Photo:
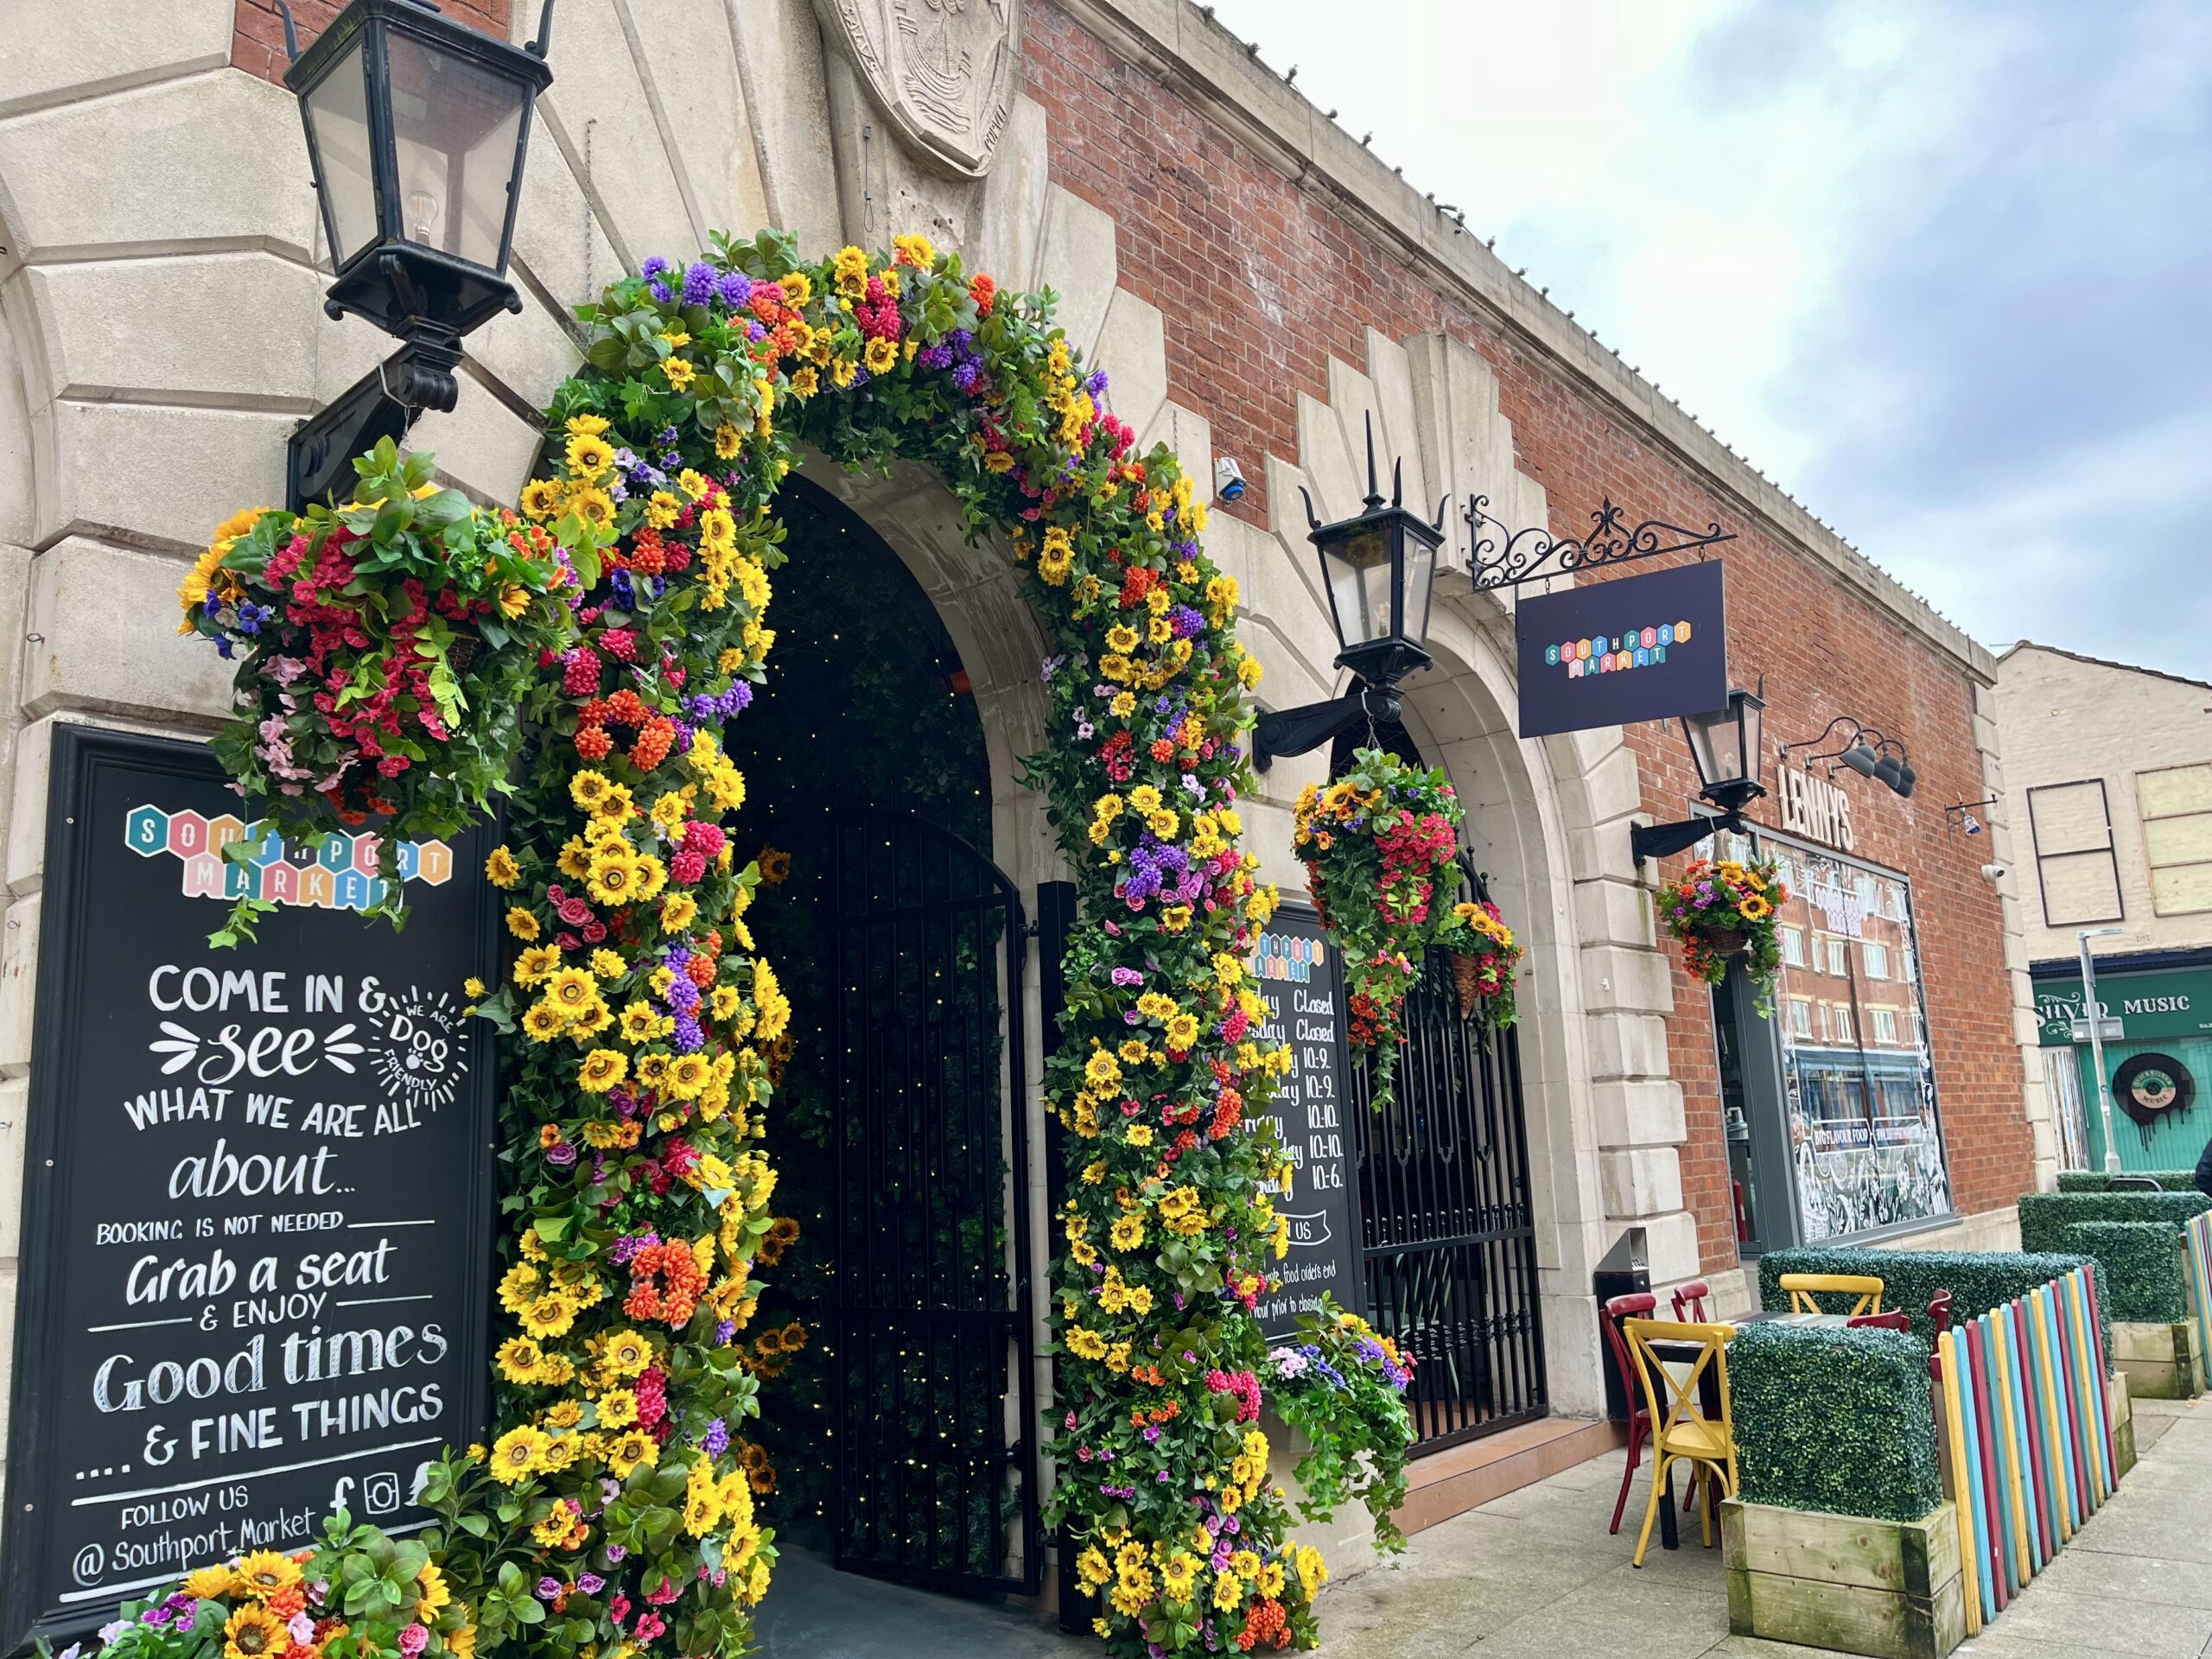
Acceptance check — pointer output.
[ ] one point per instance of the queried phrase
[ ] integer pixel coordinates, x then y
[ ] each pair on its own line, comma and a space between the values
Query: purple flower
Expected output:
964, 376
716, 1440
615, 1552
723, 1332
563, 1155
736, 289
700, 282
590, 1583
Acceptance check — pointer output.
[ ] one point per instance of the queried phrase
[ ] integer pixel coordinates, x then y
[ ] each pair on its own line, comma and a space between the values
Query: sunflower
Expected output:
588, 788
523, 924
631, 1451
433, 1593
588, 454
535, 964
572, 990
625, 1352
640, 1023
550, 1315
519, 1359
209, 1583
687, 1075
254, 1632
880, 356
262, 1573
595, 506
1755, 908
775, 865
679, 370
616, 804
602, 1069
653, 1070
614, 877
518, 1453
726, 442
678, 912
541, 1024
589, 425
541, 498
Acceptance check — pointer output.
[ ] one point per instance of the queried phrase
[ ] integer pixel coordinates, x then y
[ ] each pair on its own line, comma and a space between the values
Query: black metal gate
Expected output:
934, 1383
1449, 1249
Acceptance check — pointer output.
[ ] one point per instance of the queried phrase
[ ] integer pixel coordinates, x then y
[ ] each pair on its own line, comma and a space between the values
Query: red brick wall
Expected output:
258, 31
1261, 283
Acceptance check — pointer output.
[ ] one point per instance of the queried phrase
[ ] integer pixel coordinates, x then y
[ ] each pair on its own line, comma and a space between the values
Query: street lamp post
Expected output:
417, 128
1379, 567
2093, 1013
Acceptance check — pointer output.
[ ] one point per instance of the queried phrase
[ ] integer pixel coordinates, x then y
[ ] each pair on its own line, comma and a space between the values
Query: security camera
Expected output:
1228, 478
1993, 873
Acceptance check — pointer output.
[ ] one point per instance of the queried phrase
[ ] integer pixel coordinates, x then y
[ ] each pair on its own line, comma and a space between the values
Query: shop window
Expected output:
1864, 1137
2075, 871
2176, 806
1793, 946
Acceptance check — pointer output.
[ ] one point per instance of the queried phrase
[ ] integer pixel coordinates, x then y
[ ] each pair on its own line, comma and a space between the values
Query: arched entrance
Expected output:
896, 1383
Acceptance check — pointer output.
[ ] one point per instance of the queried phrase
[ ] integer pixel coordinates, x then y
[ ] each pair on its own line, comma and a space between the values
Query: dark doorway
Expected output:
894, 1347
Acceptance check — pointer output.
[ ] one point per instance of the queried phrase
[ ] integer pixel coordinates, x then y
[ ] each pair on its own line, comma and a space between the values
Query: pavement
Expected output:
1534, 1575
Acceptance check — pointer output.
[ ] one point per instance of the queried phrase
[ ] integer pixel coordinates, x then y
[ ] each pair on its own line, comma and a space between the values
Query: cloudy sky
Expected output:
1944, 269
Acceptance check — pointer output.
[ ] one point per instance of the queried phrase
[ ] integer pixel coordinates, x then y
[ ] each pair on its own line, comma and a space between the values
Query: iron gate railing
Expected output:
935, 1391
1449, 1243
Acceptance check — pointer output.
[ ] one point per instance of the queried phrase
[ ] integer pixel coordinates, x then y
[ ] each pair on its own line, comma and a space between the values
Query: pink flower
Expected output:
414, 1639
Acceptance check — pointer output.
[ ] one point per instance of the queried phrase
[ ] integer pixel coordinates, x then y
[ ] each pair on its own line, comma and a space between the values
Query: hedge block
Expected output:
2045, 1217
1834, 1420
2141, 1277
2095, 1181
1892, 1589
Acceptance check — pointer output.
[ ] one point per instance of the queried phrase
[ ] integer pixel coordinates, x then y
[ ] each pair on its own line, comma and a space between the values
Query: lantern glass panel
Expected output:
1421, 584
1359, 584
338, 117
456, 125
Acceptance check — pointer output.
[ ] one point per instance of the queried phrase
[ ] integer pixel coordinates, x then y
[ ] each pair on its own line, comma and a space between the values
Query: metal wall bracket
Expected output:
1299, 731
382, 404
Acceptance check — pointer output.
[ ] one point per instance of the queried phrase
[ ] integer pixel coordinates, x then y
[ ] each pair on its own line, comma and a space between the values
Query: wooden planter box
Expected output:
2160, 1362
2123, 1424
1891, 1589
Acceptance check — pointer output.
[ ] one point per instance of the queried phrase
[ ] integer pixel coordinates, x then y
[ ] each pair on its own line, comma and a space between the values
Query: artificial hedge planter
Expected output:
1978, 1279
2045, 1215
1835, 1419
2139, 1269
2095, 1181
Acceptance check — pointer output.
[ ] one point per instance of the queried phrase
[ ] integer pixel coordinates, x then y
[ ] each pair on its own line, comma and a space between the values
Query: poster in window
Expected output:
1859, 1078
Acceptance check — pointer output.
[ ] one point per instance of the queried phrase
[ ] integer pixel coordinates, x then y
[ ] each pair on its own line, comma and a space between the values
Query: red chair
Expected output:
1691, 1294
1939, 1310
1892, 1320
1639, 1420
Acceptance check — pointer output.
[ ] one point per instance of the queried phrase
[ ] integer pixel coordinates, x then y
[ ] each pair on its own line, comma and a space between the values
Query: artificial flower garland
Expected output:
1725, 912
1341, 1384
1376, 843
617, 1497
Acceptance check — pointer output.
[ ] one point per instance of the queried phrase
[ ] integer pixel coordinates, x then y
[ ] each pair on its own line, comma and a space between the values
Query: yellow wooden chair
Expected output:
1681, 1430
1805, 1288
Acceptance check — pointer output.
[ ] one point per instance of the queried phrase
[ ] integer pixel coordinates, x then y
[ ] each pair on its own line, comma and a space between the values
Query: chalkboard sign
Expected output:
1300, 977
257, 1206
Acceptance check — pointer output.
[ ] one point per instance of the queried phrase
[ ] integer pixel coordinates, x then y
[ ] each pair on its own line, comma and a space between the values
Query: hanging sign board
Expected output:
1300, 977
256, 1253
1608, 653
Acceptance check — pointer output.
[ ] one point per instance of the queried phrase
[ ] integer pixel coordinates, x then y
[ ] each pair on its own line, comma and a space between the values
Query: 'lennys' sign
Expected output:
1815, 808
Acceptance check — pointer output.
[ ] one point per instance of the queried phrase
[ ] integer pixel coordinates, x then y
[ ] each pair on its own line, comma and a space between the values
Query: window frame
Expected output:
2110, 851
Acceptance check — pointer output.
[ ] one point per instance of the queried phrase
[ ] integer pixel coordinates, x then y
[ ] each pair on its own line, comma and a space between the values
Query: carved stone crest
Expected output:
943, 72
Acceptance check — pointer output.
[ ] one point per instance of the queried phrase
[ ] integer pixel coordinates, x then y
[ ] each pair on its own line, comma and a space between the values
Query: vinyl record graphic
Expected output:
2149, 1086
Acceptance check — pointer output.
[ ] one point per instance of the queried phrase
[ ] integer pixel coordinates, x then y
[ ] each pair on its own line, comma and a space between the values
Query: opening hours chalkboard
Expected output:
1300, 977
256, 1227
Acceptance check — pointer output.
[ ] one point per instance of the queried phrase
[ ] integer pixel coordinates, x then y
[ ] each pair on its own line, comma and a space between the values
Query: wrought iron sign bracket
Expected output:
1650, 840
1510, 557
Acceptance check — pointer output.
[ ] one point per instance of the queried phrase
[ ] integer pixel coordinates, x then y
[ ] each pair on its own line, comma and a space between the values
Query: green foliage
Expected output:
2139, 1277
2045, 1216
2096, 1180
1343, 1385
1835, 1419
1978, 1279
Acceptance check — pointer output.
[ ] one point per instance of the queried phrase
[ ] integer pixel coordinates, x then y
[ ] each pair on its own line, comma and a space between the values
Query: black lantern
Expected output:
417, 128
1379, 567
1724, 746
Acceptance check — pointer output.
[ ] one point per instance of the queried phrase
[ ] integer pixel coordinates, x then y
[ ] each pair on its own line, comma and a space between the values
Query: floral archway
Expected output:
623, 614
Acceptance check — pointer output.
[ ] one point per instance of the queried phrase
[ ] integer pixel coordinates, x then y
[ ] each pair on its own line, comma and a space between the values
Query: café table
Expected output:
1685, 1353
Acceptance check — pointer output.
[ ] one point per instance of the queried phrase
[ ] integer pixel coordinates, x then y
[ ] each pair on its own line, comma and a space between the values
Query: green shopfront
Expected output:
2158, 1067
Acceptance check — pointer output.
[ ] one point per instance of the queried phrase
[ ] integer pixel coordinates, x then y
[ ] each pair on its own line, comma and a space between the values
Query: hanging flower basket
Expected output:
383, 651
1375, 844
1718, 912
